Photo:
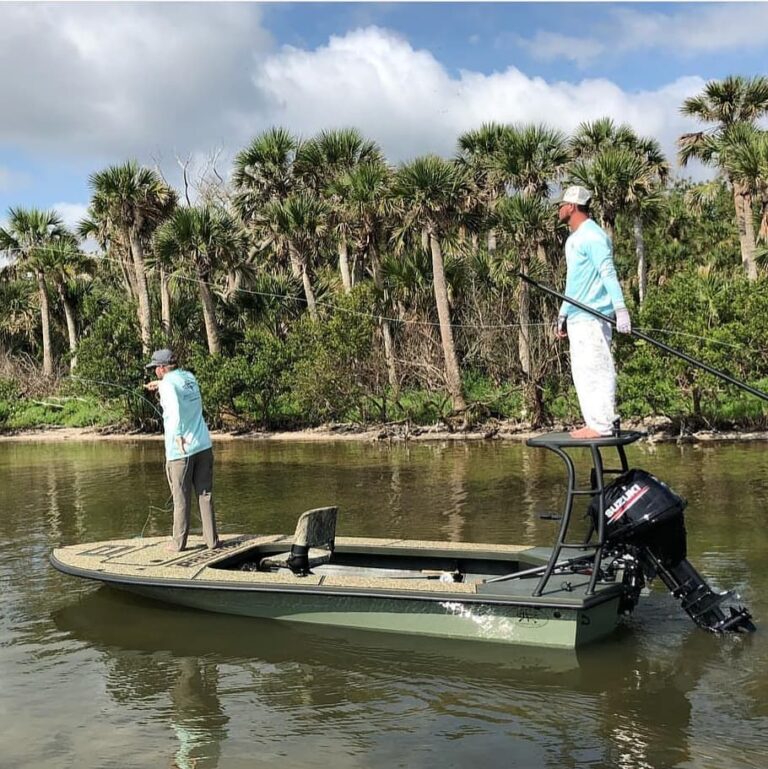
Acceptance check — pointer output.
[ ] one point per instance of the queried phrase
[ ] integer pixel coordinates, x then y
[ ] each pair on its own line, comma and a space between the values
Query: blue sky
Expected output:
488, 37
85, 85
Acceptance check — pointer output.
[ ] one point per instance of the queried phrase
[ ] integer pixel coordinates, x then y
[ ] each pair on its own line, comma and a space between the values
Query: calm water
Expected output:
93, 679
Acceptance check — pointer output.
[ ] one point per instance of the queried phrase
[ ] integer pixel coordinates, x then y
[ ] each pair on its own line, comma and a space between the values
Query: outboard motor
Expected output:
644, 518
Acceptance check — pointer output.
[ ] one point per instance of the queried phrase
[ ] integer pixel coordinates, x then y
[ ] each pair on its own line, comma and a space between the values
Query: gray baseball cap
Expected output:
164, 357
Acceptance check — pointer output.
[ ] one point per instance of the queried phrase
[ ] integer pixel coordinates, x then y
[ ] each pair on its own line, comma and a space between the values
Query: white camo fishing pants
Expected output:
594, 375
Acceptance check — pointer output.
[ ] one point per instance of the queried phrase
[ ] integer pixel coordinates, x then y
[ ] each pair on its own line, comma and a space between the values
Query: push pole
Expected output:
640, 335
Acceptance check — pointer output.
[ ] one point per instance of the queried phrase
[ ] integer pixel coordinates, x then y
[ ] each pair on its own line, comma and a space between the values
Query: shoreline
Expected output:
656, 432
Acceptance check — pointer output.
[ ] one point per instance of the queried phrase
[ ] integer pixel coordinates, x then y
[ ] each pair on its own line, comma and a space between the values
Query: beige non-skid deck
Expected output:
148, 558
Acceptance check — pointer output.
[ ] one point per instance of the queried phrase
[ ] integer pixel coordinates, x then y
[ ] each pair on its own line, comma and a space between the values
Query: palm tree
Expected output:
319, 163
616, 177
365, 194
431, 191
685, 208
203, 239
18, 313
161, 214
108, 238
478, 151
744, 156
69, 269
332, 153
264, 171
274, 204
724, 104
27, 239
591, 137
641, 194
532, 157
407, 272
274, 296
296, 227
527, 223
697, 197
132, 200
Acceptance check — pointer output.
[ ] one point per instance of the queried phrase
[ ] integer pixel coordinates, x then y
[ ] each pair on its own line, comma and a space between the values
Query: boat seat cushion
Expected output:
313, 542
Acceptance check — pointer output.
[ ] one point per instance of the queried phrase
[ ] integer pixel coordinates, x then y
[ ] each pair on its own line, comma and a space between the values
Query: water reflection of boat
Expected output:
564, 596
629, 701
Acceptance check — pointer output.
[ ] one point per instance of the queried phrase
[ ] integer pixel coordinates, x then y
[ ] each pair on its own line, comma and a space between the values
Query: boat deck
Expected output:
147, 561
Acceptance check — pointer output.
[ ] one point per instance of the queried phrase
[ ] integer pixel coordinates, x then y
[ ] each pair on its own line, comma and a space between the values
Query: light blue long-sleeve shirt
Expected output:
182, 414
591, 277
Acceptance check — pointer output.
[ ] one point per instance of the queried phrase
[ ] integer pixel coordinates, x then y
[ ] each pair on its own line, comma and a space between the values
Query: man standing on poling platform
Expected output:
590, 279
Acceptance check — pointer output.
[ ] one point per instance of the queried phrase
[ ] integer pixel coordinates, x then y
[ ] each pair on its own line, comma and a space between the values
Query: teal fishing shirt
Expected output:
182, 414
591, 277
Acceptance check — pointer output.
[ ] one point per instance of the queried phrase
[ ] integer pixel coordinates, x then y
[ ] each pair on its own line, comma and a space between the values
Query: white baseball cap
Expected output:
575, 194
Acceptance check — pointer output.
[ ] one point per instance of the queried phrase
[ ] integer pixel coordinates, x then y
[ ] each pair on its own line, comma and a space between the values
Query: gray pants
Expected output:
194, 471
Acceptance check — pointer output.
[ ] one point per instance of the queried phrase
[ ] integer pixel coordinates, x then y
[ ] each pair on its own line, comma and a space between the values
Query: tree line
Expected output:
320, 282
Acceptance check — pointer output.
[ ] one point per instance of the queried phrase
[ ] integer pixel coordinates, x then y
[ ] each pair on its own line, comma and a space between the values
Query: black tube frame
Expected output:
598, 489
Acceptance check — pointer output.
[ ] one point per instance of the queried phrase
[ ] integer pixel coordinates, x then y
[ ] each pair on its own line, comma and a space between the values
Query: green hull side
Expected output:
498, 623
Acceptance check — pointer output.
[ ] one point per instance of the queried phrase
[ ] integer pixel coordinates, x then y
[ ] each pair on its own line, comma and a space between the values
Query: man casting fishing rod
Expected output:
591, 280
188, 447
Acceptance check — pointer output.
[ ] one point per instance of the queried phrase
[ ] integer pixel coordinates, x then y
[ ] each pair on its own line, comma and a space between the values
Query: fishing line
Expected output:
168, 508
334, 307
403, 321
433, 324
152, 508
699, 338
120, 387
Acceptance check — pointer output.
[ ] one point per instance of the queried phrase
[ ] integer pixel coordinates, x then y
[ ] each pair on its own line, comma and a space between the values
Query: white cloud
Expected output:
371, 79
124, 78
71, 213
153, 81
406, 100
697, 28
547, 46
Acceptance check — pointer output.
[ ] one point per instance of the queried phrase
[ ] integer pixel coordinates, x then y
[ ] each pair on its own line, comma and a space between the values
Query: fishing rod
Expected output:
129, 390
640, 335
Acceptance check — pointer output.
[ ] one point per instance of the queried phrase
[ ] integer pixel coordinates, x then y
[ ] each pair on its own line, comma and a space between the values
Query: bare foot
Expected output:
585, 432
171, 548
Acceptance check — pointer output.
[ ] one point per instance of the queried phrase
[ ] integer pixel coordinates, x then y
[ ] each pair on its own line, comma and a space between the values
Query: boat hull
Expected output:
504, 612
494, 622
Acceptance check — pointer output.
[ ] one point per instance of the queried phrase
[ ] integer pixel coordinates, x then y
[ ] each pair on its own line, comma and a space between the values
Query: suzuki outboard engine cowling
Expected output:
644, 517
641, 510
